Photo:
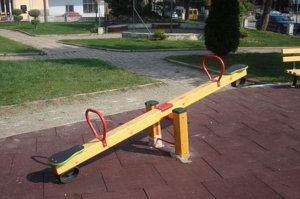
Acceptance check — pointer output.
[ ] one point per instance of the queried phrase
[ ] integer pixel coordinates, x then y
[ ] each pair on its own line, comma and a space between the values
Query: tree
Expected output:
124, 7
246, 6
35, 14
17, 15
222, 29
265, 16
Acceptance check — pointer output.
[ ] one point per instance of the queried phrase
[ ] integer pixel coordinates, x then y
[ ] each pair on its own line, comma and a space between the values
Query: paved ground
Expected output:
40, 115
244, 144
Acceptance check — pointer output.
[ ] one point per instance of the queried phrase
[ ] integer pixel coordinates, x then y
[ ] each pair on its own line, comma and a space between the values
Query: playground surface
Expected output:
245, 143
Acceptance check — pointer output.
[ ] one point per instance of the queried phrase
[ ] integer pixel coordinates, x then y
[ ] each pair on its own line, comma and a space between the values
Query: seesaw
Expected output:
64, 164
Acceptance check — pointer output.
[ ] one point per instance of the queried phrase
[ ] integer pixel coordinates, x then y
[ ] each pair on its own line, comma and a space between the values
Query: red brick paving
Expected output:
245, 143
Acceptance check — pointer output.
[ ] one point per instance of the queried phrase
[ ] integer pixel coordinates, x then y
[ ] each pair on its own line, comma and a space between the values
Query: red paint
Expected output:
101, 138
165, 106
206, 71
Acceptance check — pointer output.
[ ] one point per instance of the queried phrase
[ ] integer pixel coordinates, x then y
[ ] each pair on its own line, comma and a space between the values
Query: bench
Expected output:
292, 55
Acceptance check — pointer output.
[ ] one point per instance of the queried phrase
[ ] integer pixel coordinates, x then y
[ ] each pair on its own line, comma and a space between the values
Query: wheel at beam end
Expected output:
239, 83
68, 176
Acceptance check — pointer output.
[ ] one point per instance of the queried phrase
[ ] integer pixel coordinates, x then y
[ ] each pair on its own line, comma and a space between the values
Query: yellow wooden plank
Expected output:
293, 72
119, 134
290, 51
291, 59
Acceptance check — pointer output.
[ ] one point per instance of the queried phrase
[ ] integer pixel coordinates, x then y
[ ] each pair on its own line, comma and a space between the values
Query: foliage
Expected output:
17, 12
18, 18
124, 7
35, 22
222, 29
94, 29
243, 33
159, 35
34, 13
246, 6
265, 15
17, 15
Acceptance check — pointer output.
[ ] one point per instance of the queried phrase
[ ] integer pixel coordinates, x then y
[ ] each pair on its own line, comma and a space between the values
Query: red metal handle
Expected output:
206, 71
101, 138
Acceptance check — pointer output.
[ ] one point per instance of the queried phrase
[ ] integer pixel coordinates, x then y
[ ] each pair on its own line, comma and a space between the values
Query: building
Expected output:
54, 10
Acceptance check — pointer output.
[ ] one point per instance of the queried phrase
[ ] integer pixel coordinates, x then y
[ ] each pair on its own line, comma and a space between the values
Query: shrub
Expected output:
222, 29
35, 14
18, 18
17, 15
17, 12
243, 33
35, 22
94, 29
159, 35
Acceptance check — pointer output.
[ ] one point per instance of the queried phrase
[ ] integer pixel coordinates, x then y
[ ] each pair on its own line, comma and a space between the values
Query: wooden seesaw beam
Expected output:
121, 133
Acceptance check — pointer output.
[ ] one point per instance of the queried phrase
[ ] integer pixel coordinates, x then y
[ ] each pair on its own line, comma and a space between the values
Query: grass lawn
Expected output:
24, 81
268, 39
51, 28
10, 46
265, 67
255, 39
136, 44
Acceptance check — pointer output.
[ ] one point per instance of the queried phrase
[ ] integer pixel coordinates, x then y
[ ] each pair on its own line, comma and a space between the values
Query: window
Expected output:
23, 8
69, 8
90, 6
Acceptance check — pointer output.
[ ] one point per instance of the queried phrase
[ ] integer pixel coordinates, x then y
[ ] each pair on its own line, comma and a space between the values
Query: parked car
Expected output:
279, 23
258, 14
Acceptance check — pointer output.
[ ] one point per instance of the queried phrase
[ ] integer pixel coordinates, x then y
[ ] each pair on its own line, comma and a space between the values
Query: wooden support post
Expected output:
182, 151
155, 129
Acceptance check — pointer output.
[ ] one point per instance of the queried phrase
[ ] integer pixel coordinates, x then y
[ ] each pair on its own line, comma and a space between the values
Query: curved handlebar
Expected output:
206, 71
101, 138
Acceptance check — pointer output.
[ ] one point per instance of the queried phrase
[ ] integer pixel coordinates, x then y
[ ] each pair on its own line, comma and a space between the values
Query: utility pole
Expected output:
45, 11
297, 5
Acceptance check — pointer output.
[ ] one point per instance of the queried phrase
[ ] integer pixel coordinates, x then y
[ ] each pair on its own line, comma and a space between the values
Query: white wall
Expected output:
58, 7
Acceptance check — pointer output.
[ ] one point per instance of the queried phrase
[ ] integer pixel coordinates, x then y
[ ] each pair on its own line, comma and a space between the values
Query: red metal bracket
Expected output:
206, 71
165, 106
101, 138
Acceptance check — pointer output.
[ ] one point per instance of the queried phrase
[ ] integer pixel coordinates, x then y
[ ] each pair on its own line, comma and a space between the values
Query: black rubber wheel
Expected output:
239, 83
68, 176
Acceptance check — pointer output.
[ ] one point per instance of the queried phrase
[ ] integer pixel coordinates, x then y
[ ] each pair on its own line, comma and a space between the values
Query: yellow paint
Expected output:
295, 72
155, 129
181, 135
121, 133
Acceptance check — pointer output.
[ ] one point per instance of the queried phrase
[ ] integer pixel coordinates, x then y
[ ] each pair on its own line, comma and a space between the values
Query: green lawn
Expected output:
51, 28
265, 67
268, 39
10, 46
24, 81
255, 39
136, 44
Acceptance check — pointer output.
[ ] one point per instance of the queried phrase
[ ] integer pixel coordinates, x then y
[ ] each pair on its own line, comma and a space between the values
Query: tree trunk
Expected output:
187, 8
265, 15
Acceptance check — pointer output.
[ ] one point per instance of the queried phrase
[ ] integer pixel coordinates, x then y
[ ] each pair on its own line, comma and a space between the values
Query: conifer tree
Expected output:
222, 29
